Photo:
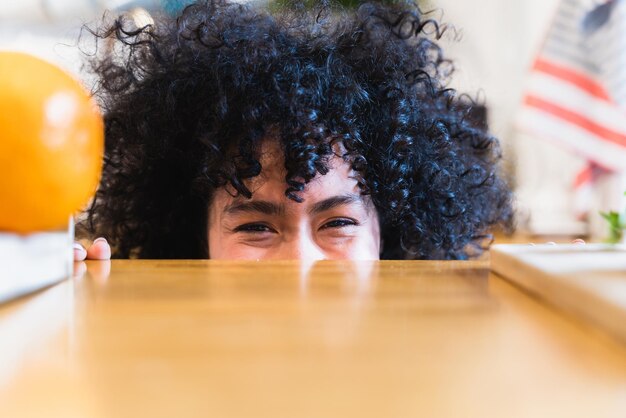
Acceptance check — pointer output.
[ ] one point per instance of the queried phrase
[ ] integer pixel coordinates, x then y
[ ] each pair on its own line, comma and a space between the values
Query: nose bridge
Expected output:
309, 248
303, 247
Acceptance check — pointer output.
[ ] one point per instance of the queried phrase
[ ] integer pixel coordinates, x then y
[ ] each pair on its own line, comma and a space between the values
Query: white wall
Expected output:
498, 41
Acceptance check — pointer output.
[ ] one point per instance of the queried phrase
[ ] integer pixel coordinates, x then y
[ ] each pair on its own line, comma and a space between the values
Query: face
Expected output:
333, 222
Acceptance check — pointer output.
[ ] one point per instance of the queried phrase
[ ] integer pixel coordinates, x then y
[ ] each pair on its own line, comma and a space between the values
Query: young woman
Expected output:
241, 133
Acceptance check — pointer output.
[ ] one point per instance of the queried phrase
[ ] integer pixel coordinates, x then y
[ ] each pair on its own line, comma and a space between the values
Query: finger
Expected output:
79, 252
99, 250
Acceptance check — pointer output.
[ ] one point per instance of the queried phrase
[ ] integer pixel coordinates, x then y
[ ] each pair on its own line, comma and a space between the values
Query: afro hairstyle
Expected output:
189, 99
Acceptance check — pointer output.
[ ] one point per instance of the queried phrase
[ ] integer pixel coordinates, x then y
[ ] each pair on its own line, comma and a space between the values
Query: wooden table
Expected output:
283, 339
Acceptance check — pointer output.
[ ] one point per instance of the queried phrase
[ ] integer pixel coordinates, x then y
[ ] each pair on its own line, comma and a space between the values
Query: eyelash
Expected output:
340, 223
258, 228
253, 228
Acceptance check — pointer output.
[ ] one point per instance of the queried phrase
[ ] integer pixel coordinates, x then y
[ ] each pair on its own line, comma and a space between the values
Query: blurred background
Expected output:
548, 71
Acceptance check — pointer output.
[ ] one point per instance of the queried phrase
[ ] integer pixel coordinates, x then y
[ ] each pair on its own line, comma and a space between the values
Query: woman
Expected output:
236, 132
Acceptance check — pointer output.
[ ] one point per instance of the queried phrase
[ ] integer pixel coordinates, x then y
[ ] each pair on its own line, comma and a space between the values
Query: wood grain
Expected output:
285, 339
587, 281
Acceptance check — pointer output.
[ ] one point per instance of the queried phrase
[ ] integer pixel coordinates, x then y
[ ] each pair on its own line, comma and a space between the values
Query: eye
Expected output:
340, 223
254, 228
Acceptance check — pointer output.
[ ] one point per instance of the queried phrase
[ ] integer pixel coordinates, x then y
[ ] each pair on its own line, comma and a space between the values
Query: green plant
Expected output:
617, 224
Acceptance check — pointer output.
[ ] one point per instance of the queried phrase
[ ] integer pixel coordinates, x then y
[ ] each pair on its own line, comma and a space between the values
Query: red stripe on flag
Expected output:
571, 76
584, 176
576, 119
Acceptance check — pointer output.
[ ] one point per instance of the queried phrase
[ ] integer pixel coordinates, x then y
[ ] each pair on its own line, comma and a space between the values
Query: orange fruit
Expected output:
51, 144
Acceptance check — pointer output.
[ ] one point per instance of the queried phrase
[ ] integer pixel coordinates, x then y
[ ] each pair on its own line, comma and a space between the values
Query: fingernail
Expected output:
578, 241
100, 239
79, 252
551, 243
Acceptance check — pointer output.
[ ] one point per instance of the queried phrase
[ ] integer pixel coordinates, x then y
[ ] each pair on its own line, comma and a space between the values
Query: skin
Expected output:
98, 250
334, 221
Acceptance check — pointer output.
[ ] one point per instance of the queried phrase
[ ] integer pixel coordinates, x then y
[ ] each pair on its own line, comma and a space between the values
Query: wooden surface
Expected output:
333, 339
587, 281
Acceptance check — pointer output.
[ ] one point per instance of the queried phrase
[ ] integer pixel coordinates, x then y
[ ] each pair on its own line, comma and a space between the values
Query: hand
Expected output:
98, 250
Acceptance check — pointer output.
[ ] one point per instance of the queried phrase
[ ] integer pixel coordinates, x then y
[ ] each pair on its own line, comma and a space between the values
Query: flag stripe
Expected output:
576, 119
578, 79
570, 58
567, 95
584, 176
541, 124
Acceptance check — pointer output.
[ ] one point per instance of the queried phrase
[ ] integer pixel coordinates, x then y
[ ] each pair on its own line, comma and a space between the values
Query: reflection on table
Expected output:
224, 339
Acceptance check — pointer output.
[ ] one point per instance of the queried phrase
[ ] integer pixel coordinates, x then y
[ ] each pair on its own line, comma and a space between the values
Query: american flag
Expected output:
576, 94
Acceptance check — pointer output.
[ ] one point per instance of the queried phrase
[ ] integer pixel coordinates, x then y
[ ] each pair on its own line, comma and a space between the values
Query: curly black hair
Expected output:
188, 101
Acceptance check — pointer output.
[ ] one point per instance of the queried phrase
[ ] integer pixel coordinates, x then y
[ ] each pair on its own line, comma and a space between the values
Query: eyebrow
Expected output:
335, 201
273, 209
255, 206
